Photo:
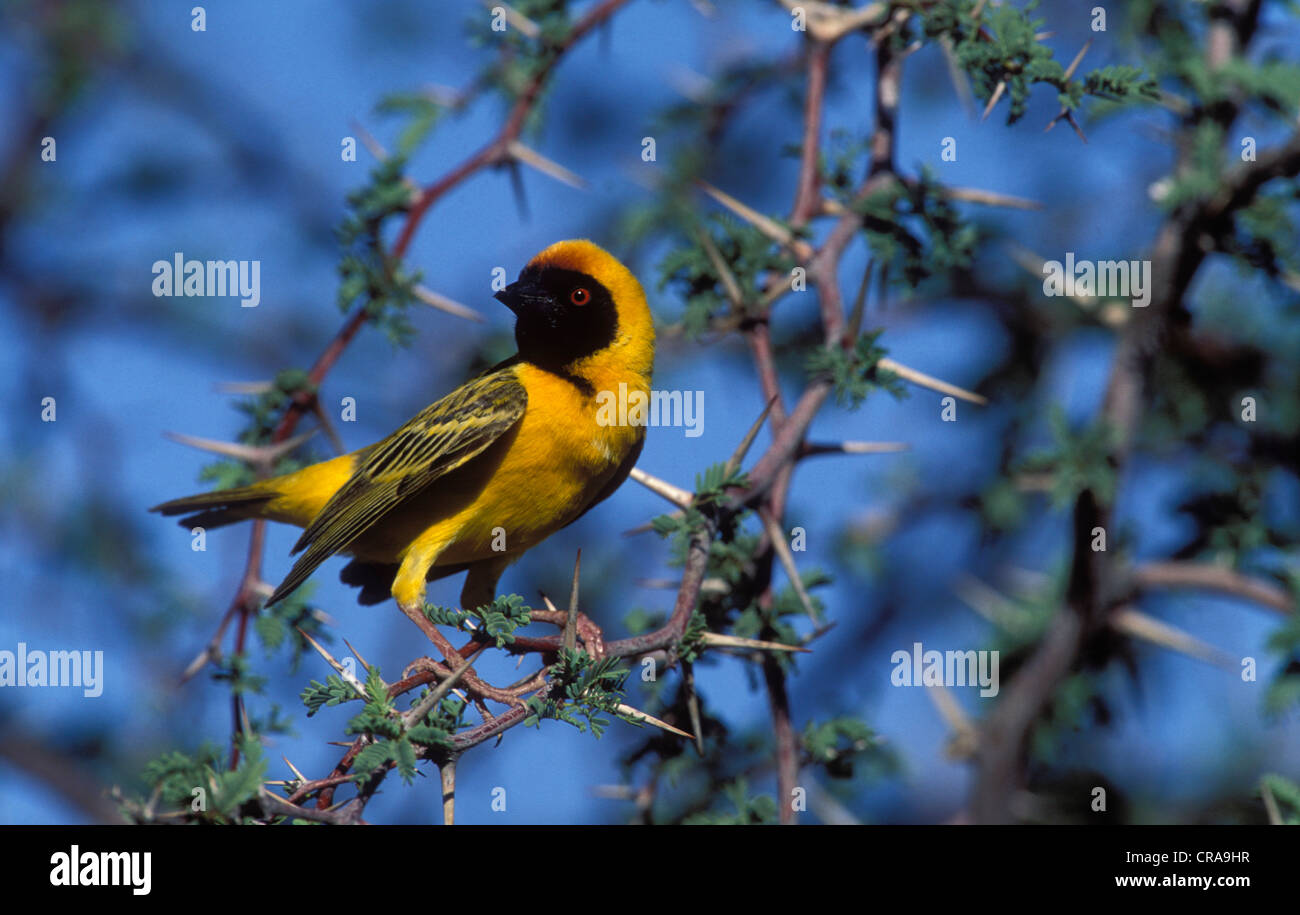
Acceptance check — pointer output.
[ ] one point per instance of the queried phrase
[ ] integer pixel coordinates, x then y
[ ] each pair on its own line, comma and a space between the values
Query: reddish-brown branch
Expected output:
786, 444
787, 745
760, 343
807, 201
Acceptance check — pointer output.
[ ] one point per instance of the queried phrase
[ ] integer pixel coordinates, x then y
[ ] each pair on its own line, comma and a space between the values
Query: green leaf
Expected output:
372, 757
855, 373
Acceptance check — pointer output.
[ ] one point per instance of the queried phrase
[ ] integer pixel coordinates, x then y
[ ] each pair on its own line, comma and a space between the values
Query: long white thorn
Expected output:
679, 497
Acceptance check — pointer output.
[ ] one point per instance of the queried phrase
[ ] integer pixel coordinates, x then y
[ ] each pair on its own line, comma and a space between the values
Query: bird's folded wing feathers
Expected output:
439, 439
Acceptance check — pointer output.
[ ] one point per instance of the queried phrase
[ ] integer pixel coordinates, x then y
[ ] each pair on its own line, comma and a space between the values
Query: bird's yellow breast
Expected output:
527, 485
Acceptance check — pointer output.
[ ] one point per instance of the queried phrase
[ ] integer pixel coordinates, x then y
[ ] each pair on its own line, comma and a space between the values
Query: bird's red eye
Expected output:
580, 296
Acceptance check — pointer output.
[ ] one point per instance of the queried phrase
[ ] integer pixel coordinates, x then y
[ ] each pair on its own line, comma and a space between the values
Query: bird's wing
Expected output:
439, 439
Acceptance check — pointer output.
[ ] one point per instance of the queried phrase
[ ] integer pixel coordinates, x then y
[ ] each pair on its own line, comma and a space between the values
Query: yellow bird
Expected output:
488, 471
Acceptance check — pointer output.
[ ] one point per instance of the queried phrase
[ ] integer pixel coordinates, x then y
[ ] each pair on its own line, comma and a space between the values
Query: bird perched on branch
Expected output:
490, 470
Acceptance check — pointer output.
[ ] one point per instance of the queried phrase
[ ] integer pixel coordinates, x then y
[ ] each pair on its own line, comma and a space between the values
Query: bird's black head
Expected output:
561, 315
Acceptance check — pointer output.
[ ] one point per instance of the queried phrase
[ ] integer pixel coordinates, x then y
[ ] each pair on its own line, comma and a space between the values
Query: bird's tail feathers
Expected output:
224, 506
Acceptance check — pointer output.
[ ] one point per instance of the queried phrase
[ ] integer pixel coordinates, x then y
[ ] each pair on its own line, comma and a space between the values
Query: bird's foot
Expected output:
473, 684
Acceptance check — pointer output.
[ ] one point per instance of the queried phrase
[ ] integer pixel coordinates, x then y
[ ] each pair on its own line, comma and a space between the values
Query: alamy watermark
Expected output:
1105, 279
75, 867
655, 408
34, 667
181, 277
920, 667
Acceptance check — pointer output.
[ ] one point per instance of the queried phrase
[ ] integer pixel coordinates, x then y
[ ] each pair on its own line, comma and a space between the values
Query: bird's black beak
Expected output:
525, 295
